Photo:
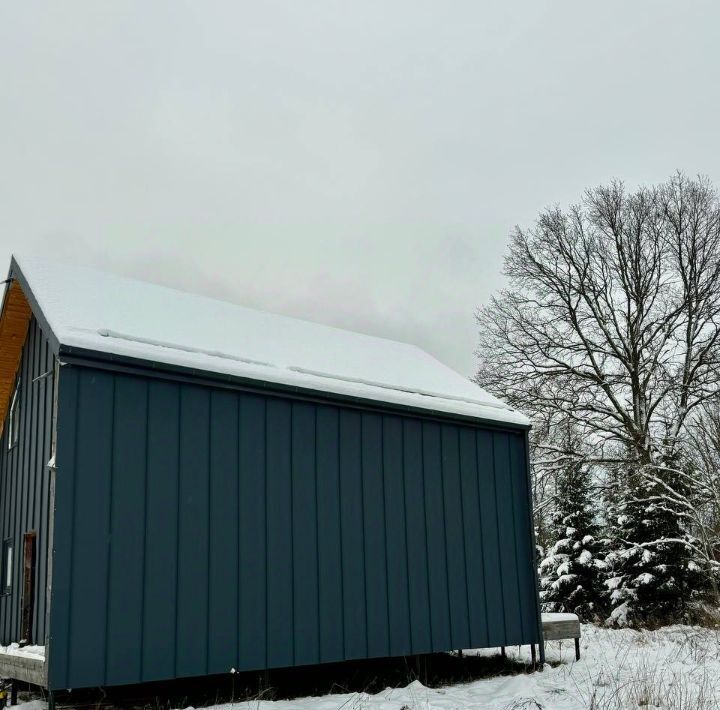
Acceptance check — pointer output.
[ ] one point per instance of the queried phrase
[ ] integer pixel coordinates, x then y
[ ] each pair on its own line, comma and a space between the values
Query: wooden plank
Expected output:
564, 627
28, 670
14, 323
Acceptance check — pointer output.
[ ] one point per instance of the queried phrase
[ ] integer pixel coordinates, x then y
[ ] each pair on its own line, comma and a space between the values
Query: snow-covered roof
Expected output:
107, 313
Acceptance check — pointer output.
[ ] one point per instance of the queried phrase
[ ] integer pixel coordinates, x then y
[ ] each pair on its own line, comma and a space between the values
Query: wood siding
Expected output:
25, 485
200, 529
14, 323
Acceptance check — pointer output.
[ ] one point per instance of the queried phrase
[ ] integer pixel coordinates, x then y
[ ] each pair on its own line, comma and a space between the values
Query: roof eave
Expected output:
124, 363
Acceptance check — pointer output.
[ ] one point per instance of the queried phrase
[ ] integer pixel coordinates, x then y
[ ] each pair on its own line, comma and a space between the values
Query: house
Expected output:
189, 487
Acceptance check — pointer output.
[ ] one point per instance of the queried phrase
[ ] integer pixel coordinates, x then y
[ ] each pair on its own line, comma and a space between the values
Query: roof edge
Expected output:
16, 273
73, 355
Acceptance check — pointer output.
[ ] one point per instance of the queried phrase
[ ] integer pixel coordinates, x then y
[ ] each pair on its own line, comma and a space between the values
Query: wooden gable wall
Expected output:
14, 323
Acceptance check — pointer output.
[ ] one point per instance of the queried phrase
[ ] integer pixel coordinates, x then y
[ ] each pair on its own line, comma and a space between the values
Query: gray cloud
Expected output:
356, 164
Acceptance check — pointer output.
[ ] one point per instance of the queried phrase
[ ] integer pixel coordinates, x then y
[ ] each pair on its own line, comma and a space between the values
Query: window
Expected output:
14, 418
7, 566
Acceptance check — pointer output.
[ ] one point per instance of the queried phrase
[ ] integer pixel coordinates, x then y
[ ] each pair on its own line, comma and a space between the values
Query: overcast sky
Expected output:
359, 164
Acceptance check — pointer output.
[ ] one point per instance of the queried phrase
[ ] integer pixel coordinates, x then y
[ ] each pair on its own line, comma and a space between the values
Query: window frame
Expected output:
8, 562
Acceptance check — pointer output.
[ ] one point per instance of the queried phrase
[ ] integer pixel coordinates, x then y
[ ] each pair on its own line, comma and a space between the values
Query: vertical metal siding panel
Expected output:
59, 642
224, 574
473, 540
376, 584
523, 537
24, 478
25, 463
127, 532
416, 537
18, 454
37, 484
93, 474
305, 533
508, 559
491, 552
455, 538
280, 627
15, 497
304, 536
161, 521
330, 587
435, 534
252, 537
36, 420
353, 550
34, 471
49, 385
193, 538
12, 458
28, 467
395, 536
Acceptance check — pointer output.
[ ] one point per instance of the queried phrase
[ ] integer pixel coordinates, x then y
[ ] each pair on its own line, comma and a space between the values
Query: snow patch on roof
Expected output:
107, 313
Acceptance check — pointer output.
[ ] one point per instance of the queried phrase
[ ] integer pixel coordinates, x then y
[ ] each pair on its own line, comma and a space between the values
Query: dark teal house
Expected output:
189, 487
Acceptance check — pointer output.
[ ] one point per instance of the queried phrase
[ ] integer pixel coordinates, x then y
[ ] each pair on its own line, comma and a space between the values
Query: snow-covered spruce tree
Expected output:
611, 318
654, 570
572, 574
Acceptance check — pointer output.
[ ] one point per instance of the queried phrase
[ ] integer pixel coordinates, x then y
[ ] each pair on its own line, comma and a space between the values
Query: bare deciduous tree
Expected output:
611, 319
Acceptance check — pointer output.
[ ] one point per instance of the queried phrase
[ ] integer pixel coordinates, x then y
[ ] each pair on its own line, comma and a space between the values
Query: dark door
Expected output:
28, 589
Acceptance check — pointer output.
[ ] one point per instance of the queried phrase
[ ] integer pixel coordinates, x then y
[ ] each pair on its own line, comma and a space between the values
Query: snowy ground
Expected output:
674, 668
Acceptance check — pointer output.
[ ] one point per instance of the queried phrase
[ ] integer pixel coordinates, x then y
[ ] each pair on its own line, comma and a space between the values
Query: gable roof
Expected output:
113, 315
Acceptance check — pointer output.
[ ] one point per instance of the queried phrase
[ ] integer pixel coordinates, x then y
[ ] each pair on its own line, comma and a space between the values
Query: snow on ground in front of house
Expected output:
618, 668
33, 705
674, 667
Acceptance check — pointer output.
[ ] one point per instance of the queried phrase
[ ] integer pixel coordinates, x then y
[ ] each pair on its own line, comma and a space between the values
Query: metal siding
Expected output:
157, 654
247, 531
304, 536
352, 534
396, 538
525, 553
416, 538
330, 582
62, 552
278, 516
25, 485
494, 587
252, 587
435, 536
458, 589
376, 585
506, 539
193, 532
473, 540
127, 533
91, 529
223, 579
